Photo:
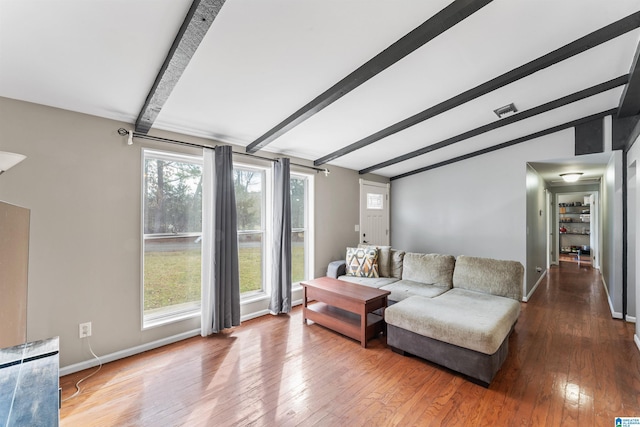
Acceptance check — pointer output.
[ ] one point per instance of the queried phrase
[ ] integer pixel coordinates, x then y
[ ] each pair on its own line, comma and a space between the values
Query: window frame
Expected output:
267, 220
186, 312
309, 230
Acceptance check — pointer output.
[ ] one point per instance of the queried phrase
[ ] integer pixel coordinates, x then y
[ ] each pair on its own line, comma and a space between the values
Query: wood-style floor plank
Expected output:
569, 363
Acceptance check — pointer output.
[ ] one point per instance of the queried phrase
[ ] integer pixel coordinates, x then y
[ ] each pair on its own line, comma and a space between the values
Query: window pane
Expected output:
375, 201
172, 229
249, 189
299, 249
171, 272
250, 259
298, 186
298, 257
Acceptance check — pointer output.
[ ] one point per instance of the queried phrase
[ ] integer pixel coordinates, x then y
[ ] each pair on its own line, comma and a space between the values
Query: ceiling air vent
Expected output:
507, 110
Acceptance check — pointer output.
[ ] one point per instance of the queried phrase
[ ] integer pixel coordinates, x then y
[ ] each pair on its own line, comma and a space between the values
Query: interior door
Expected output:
374, 213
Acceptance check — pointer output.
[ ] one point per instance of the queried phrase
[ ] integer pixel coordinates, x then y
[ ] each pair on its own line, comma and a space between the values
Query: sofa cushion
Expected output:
397, 258
468, 319
373, 282
362, 262
403, 289
384, 259
433, 269
491, 276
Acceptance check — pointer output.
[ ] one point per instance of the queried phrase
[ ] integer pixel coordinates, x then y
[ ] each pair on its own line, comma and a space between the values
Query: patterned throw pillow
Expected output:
362, 262
384, 259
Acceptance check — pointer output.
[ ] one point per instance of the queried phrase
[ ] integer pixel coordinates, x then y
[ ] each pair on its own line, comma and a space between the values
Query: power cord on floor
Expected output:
88, 376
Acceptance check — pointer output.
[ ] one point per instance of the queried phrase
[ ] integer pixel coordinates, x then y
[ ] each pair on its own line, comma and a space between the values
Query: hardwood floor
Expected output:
569, 363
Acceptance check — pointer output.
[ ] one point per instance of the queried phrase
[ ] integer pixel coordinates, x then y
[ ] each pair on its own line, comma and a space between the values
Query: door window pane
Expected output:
375, 201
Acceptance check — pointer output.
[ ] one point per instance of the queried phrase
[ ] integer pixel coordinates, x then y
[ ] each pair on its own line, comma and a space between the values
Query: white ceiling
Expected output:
262, 60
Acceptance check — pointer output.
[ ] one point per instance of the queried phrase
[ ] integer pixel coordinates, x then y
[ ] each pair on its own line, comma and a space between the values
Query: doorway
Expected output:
374, 213
576, 222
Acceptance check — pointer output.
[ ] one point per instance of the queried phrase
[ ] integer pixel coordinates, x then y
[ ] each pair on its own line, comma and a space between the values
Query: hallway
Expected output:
591, 364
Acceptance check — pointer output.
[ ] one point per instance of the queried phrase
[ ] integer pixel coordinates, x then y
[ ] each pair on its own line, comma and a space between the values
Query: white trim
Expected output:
527, 297
630, 319
636, 339
172, 316
614, 314
128, 352
253, 315
70, 369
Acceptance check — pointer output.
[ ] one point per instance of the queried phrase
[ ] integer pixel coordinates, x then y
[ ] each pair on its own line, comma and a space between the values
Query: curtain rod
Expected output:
132, 134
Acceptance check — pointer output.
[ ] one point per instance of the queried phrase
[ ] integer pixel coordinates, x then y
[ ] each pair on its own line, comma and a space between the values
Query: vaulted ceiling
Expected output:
371, 85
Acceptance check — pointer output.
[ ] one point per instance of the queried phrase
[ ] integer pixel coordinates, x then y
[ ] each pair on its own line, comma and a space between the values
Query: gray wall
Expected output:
633, 159
611, 250
474, 207
631, 239
536, 229
82, 184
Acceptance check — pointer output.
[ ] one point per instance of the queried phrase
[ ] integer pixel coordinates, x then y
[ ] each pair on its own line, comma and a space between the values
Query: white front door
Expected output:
374, 213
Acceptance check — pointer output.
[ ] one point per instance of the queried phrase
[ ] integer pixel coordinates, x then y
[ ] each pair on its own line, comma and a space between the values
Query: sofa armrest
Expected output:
336, 269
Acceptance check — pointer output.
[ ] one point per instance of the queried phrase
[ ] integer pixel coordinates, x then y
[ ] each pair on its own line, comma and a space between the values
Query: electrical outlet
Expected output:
85, 329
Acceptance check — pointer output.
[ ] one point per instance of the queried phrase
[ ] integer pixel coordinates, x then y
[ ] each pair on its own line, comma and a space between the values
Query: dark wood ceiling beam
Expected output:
594, 90
630, 99
587, 42
430, 29
195, 26
511, 143
624, 131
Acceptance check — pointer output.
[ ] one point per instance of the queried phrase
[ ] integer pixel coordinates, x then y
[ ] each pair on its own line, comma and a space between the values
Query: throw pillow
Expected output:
384, 259
397, 258
362, 262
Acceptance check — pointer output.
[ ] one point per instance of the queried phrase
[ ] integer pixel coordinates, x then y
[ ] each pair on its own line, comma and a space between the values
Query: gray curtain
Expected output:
281, 279
226, 284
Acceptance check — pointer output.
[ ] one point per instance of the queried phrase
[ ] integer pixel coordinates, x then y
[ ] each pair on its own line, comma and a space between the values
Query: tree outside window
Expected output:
172, 227
249, 186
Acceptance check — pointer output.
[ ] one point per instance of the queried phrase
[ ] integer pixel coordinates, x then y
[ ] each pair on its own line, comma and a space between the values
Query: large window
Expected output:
172, 227
301, 237
172, 233
250, 186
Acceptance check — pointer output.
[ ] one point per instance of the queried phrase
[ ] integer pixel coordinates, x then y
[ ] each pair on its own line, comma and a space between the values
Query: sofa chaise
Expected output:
458, 313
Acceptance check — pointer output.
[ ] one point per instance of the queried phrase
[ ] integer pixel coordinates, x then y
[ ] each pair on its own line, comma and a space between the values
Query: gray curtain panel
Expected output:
281, 278
226, 291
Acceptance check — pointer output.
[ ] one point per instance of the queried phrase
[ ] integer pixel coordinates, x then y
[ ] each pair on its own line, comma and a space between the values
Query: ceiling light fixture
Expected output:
507, 110
9, 160
571, 176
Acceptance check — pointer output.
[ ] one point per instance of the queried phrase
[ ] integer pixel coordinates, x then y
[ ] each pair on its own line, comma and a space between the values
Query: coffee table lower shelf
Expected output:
343, 321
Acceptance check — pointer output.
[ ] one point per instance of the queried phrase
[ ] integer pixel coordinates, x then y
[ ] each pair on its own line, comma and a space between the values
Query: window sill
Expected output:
253, 297
149, 322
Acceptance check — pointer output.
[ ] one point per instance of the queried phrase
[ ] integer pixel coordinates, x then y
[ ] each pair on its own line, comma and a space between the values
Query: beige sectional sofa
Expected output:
457, 313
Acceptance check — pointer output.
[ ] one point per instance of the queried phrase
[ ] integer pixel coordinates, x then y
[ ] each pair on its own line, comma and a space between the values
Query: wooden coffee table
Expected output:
344, 307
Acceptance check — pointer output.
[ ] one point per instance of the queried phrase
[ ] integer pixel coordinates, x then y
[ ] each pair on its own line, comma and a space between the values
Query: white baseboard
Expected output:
630, 319
148, 346
636, 339
614, 314
127, 352
526, 297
